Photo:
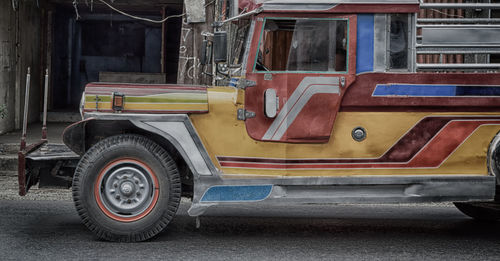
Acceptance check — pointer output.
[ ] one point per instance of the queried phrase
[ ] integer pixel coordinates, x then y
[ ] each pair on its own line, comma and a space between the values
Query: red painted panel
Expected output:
359, 95
314, 123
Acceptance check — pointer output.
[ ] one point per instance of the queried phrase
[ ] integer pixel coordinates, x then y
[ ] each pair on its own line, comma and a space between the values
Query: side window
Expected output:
398, 41
305, 45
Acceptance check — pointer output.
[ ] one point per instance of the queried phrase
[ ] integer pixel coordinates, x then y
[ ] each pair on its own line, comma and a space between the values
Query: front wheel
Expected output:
126, 188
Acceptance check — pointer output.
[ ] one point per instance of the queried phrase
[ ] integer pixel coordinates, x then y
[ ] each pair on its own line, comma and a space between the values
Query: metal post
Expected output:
162, 52
45, 98
26, 103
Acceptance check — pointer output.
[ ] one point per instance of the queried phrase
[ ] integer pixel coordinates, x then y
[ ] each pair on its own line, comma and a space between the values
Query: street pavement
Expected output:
45, 226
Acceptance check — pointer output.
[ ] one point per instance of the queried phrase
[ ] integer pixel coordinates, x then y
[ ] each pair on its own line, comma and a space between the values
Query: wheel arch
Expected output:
81, 136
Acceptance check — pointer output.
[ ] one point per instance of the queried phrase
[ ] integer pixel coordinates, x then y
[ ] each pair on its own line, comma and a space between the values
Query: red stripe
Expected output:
311, 166
446, 142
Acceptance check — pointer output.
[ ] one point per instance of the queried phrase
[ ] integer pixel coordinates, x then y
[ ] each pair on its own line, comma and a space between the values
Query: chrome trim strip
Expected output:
247, 48
380, 43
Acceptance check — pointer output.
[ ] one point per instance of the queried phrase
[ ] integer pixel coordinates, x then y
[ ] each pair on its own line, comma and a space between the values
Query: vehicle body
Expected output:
334, 113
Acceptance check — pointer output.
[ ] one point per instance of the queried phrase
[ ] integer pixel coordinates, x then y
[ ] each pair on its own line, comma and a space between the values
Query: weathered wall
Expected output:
190, 70
19, 49
7, 65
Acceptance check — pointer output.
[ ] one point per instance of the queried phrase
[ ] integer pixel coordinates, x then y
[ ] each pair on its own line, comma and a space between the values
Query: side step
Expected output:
212, 191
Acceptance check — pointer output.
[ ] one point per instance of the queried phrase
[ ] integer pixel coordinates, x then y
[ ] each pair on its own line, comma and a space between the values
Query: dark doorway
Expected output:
102, 44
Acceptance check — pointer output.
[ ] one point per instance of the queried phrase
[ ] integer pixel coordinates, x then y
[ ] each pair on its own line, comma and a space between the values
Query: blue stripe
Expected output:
478, 91
414, 90
365, 38
237, 193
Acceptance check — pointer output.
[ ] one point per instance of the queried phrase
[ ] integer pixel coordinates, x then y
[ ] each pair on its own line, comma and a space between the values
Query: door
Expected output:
305, 64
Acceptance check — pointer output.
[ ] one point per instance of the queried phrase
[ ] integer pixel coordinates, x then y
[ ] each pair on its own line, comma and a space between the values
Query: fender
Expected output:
74, 136
177, 129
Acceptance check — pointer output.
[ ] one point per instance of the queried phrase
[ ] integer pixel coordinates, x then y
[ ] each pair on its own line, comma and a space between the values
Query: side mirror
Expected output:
220, 46
270, 103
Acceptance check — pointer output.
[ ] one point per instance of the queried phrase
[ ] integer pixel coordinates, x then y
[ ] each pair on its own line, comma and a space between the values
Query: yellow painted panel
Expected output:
224, 135
100, 105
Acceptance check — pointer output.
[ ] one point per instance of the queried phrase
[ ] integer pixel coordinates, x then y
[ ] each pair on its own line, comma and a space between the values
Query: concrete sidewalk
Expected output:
10, 142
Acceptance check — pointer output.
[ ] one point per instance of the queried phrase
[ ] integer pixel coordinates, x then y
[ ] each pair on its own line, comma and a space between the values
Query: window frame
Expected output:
411, 57
303, 18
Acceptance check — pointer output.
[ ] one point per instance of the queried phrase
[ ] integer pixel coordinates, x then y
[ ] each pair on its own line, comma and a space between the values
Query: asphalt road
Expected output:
50, 229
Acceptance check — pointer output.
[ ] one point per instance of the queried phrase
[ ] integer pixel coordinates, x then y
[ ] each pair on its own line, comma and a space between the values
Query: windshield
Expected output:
312, 45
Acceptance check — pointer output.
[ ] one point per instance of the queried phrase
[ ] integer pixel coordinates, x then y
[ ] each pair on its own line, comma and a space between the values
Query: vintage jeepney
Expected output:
326, 106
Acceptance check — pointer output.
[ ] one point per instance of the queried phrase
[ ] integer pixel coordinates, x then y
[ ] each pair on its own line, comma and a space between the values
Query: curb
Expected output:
9, 148
8, 162
8, 173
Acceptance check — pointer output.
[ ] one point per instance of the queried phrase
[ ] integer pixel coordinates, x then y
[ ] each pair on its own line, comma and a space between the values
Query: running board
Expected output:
379, 189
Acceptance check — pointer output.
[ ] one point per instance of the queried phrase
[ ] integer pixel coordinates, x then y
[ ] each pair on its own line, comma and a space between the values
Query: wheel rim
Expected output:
126, 190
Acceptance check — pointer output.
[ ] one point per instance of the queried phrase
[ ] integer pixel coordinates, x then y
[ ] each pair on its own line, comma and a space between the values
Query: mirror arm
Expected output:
219, 24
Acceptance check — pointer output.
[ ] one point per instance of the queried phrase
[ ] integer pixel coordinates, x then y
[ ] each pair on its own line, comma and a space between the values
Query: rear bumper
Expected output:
49, 164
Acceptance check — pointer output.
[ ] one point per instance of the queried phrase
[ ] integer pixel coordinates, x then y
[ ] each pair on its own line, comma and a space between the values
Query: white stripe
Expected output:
308, 87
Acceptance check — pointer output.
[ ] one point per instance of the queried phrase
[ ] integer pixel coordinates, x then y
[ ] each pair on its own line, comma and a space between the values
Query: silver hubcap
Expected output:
127, 189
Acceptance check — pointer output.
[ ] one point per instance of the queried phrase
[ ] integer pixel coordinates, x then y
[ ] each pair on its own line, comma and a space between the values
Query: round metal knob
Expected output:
358, 134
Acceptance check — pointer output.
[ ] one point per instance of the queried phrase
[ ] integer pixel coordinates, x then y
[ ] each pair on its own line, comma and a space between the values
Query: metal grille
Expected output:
455, 35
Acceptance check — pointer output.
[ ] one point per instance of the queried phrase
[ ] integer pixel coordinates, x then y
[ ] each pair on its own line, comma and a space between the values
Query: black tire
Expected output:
126, 188
481, 211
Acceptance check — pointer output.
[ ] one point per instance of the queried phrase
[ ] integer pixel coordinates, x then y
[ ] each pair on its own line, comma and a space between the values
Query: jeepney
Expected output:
328, 108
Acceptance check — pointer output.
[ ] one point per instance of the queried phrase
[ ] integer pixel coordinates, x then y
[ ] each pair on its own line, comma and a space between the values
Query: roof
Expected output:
324, 5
